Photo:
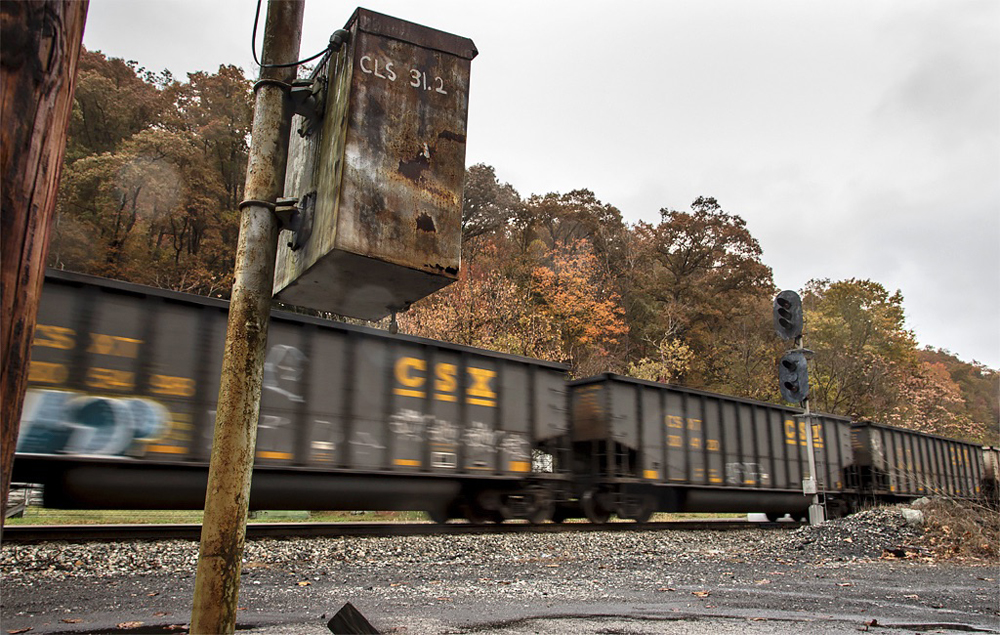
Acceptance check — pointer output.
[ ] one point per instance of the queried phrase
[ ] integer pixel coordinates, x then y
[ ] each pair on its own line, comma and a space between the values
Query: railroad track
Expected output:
104, 533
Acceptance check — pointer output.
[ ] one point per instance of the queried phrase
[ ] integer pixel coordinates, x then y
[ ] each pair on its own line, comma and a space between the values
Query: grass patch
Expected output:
44, 516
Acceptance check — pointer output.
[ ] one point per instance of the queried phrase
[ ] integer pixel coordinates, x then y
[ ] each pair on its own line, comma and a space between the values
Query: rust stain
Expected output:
448, 135
414, 168
442, 269
425, 223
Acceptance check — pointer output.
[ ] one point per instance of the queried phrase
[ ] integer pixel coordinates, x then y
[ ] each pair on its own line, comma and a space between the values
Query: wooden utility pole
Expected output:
40, 42
217, 581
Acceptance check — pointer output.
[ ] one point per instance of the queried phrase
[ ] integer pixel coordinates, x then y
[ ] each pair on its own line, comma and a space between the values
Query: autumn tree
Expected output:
562, 221
931, 402
155, 176
949, 397
571, 293
487, 309
701, 284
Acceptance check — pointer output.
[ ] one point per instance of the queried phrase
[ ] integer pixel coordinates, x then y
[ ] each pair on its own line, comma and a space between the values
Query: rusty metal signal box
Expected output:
379, 172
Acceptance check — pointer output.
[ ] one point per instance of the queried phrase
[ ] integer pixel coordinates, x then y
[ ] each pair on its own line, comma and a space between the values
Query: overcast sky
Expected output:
858, 138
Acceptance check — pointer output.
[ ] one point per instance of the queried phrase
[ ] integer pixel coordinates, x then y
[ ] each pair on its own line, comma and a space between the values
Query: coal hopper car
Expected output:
896, 465
120, 411
641, 447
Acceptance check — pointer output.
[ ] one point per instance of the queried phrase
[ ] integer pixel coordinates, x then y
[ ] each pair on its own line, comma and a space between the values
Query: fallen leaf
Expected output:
551, 565
305, 583
701, 594
444, 599
848, 539
912, 597
160, 614
666, 588
129, 624
153, 594
19, 630
758, 619
764, 581
845, 584
71, 620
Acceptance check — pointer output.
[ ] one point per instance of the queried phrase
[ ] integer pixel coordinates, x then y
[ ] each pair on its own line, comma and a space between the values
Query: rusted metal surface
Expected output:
218, 575
388, 166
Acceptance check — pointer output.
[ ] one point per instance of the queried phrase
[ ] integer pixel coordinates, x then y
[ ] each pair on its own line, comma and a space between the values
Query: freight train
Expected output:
120, 413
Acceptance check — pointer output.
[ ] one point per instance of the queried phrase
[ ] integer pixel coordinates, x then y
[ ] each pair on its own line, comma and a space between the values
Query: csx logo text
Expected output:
412, 379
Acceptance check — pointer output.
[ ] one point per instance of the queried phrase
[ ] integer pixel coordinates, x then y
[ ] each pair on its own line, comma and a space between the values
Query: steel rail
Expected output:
256, 531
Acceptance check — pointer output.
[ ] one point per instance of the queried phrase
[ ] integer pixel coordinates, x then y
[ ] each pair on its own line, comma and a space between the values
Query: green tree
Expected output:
114, 99
218, 110
488, 206
864, 353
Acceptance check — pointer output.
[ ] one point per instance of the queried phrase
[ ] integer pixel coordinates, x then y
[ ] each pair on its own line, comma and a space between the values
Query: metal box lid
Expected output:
387, 165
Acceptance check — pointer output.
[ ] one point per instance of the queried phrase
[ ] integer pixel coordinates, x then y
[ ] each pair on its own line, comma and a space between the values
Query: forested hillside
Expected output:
154, 174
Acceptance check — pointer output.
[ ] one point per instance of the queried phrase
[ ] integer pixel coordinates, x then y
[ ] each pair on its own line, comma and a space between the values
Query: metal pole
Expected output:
217, 581
816, 515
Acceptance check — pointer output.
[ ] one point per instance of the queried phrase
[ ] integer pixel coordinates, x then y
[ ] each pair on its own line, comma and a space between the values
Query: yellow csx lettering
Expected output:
791, 438
412, 381
51, 336
114, 345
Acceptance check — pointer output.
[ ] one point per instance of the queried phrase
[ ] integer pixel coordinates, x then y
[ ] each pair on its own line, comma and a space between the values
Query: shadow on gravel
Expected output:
694, 619
148, 629
966, 628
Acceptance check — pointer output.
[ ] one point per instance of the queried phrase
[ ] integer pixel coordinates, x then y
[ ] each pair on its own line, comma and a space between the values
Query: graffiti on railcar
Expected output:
739, 473
64, 422
283, 370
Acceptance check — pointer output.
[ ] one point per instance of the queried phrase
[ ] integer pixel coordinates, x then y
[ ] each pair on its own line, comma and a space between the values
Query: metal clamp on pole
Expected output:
296, 215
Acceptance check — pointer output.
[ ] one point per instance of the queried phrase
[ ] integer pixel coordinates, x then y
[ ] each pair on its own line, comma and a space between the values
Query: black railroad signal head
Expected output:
793, 376
788, 315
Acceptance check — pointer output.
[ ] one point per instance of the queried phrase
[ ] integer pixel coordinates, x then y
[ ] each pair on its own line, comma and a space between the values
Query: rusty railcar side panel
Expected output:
897, 462
388, 169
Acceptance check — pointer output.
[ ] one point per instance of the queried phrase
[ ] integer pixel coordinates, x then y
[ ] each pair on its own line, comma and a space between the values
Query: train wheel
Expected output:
644, 513
542, 508
772, 517
543, 511
593, 510
637, 508
559, 516
439, 516
476, 515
